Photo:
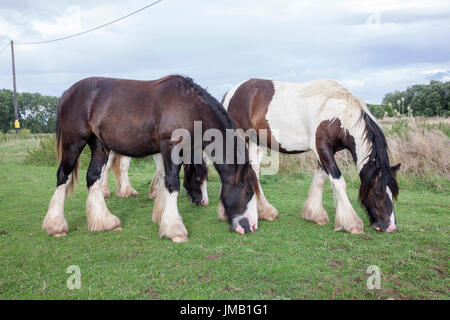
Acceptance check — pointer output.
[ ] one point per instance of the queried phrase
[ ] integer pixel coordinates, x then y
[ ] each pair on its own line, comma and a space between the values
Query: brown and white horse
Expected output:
324, 117
194, 181
136, 119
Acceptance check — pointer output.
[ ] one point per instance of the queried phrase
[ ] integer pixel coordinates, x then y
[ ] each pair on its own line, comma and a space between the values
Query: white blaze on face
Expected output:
392, 226
251, 214
204, 189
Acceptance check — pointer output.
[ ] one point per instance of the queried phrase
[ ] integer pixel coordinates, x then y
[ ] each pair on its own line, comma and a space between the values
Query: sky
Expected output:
370, 46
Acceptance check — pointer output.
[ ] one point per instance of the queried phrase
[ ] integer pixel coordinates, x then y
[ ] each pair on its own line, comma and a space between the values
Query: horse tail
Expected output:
59, 150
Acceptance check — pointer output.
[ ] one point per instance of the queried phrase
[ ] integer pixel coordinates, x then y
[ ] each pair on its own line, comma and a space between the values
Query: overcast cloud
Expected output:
372, 47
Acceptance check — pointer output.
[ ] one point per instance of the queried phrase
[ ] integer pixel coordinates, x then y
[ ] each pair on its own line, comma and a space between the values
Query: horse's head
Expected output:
377, 193
238, 197
194, 182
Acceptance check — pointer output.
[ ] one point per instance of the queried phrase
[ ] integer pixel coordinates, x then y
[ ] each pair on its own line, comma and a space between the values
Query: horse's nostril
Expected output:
204, 202
245, 224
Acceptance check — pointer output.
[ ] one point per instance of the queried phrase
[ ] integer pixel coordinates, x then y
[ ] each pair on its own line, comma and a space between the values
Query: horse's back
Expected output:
131, 116
292, 109
124, 114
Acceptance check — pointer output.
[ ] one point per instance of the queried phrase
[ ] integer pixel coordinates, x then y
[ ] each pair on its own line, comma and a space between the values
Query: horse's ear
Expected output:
395, 169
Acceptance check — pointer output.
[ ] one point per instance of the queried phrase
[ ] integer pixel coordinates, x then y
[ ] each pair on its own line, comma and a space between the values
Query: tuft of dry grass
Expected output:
292, 164
421, 152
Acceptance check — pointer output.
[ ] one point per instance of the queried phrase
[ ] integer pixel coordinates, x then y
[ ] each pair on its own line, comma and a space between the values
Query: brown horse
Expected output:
324, 117
194, 180
136, 119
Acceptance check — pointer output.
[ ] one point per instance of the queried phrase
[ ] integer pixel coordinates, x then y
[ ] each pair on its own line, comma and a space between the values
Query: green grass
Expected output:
289, 258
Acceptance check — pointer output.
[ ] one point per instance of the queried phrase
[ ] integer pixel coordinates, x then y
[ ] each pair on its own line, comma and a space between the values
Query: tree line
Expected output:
38, 112
427, 100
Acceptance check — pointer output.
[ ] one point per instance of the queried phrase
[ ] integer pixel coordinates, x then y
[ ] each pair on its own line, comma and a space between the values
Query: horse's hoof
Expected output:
128, 193
322, 222
179, 239
55, 226
356, 231
175, 231
115, 226
317, 214
269, 214
107, 222
62, 234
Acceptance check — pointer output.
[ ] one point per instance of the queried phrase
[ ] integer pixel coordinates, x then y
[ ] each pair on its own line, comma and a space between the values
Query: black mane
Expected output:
378, 160
215, 106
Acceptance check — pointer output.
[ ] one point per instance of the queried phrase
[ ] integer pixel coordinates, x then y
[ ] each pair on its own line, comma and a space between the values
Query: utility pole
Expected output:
16, 122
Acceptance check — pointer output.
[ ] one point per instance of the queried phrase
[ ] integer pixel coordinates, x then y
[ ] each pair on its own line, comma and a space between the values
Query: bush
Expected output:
45, 153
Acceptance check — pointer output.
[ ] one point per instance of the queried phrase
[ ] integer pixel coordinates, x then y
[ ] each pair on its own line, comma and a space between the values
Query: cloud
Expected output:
440, 76
69, 23
220, 44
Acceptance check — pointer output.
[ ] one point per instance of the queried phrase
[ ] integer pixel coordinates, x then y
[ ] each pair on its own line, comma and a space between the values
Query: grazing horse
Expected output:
194, 180
136, 119
324, 117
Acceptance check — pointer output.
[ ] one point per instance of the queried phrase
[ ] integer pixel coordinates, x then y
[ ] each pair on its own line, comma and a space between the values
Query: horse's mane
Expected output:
331, 89
166, 78
378, 159
214, 105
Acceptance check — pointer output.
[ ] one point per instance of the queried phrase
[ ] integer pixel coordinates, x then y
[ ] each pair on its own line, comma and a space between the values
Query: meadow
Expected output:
289, 258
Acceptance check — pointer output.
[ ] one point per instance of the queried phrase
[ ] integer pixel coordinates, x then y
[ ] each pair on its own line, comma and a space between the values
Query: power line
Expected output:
83, 32
4, 48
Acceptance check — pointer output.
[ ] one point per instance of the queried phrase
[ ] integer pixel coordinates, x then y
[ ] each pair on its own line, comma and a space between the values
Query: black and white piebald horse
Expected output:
136, 119
194, 180
324, 117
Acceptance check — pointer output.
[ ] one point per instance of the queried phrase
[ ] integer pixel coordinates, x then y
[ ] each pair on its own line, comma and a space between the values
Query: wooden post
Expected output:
16, 122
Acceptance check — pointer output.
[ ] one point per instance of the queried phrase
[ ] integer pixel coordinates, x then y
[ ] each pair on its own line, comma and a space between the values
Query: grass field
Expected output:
289, 258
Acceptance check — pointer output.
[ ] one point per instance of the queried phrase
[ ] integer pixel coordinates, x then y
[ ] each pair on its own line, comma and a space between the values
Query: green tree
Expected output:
36, 112
6, 110
431, 99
